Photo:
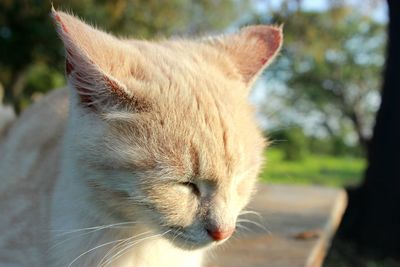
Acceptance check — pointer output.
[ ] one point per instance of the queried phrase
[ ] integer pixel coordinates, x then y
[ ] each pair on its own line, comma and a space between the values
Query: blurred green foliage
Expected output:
331, 67
313, 169
31, 56
296, 145
330, 63
292, 142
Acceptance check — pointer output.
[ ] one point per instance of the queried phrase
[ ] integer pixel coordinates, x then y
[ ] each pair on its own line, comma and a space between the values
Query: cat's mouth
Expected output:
187, 240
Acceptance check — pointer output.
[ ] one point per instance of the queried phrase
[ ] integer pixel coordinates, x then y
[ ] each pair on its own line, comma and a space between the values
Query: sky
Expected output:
379, 12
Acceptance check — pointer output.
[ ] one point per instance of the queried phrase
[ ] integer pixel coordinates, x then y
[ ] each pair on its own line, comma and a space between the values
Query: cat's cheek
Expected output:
176, 205
183, 191
245, 187
184, 207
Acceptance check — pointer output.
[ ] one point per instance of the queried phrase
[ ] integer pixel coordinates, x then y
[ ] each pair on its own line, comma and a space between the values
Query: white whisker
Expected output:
240, 227
118, 245
71, 231
251, 212
94, 229
128, 246
255, 223
92, 249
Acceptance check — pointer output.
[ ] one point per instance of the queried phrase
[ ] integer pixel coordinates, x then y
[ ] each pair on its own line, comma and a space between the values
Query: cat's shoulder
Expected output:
29, 164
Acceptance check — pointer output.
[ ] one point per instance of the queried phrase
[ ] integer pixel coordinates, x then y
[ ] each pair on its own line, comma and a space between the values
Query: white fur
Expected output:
142, 190
72, 210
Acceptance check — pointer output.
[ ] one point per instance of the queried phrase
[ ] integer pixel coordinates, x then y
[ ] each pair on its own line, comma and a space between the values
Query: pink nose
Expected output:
219, 235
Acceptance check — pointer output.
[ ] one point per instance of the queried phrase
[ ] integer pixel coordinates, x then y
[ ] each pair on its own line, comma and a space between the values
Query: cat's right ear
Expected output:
251, 50
87, 67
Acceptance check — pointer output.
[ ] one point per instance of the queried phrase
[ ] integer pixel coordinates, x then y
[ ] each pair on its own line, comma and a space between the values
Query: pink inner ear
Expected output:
85, 94
94, 86
273, 42
269, 41
115, 88
254, 48
58, 19
68, 65
89, 93
261, 43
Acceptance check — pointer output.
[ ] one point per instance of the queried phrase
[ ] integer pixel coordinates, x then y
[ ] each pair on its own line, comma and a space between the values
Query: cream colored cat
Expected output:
160, 153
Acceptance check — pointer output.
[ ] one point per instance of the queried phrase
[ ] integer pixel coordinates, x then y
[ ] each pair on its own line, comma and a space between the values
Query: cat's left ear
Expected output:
90, 59
252, 49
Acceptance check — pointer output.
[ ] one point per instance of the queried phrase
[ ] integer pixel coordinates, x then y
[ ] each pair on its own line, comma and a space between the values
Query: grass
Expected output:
314, 169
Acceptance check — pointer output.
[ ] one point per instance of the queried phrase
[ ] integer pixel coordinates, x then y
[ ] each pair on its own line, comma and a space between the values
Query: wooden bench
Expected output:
300, 222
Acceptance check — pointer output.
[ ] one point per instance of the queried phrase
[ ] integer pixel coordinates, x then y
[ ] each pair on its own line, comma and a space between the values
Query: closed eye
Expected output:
193, 187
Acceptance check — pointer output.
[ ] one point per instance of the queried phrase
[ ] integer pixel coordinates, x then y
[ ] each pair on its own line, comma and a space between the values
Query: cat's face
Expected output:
163, 131
187, 165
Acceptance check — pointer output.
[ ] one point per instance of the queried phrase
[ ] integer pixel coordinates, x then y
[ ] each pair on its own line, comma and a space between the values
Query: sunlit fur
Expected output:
148, 123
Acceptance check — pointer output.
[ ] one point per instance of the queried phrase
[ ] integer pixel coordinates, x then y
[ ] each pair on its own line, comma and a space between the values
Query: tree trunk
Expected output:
372, 219
358, 126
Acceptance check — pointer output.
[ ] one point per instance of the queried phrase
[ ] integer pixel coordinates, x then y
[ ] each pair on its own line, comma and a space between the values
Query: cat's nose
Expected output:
219, 234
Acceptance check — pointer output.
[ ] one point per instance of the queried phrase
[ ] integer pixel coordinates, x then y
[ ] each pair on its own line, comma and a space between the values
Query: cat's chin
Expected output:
186, 242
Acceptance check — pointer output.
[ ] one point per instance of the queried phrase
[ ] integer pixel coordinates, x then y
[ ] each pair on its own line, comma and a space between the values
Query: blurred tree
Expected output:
294, 143
29, 46
331, 64
373, 216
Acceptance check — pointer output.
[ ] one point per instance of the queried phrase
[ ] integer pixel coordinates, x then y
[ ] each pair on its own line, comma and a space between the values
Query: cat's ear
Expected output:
252, 49
87, 68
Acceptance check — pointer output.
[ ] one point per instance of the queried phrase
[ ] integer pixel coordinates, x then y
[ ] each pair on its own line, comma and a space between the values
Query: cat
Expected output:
160, 149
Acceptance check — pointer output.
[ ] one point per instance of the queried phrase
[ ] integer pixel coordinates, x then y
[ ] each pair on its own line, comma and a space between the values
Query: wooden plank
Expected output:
301, 221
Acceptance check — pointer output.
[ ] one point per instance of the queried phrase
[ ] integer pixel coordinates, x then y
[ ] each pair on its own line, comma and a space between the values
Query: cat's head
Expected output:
162, 132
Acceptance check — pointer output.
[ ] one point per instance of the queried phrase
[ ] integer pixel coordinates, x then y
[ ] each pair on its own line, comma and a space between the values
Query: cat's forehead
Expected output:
180, 76
200, 120
182, 59
194, 132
